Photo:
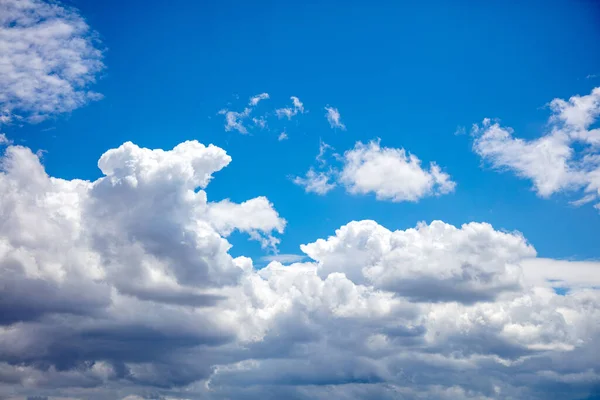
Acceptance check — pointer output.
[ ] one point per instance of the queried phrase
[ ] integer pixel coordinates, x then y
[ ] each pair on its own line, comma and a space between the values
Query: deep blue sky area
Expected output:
410, 73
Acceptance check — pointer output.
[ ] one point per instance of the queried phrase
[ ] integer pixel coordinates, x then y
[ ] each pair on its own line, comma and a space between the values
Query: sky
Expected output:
223, 200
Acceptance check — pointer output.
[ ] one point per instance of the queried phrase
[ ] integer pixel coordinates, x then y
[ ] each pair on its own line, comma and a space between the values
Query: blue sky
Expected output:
121, 281
408, 74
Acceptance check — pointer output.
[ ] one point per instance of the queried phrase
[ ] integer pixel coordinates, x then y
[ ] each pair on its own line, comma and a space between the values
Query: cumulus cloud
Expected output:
552, 161
124, 288
48, 60
431, 263
334, 118
391, 174
289, 112
282, 136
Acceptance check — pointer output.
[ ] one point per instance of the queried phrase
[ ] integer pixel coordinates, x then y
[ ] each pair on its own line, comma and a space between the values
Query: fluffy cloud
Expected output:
334, 118
391, 174
123, 288
552, 162
48, 59
431, 263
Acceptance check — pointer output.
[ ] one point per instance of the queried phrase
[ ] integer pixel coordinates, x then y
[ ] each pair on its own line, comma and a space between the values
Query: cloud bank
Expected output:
124, 288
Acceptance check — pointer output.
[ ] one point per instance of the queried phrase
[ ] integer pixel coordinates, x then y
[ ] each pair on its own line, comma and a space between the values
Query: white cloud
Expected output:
430, 263
4, 140
48, 59
256, 99
234, 120
391, 174
323, 148
260, 122
282, 136
289, 112
254, 217
315, 182
334, 118
124, 288
561, 273
551, 162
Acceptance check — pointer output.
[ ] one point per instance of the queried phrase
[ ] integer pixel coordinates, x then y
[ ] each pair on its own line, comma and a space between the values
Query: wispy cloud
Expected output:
260, 122
282, 136
234, 120
334, 118
289, 112
315, 182
254, 100
323, 147
4, 140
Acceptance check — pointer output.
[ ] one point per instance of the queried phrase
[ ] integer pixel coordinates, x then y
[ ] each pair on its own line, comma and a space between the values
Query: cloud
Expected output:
254, 100
562, 273
4, 140
234, 120
391, 174
260, 122
444, 268
334, 118
284, 258
552, 162
282, 136
124, 288
315, 182
319, 182
289, 112
323, 148
49, 59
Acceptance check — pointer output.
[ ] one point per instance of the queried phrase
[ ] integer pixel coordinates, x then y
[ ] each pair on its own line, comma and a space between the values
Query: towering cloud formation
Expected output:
124, 288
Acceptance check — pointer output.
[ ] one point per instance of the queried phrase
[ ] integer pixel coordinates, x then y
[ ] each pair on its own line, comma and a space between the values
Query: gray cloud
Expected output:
123, 288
